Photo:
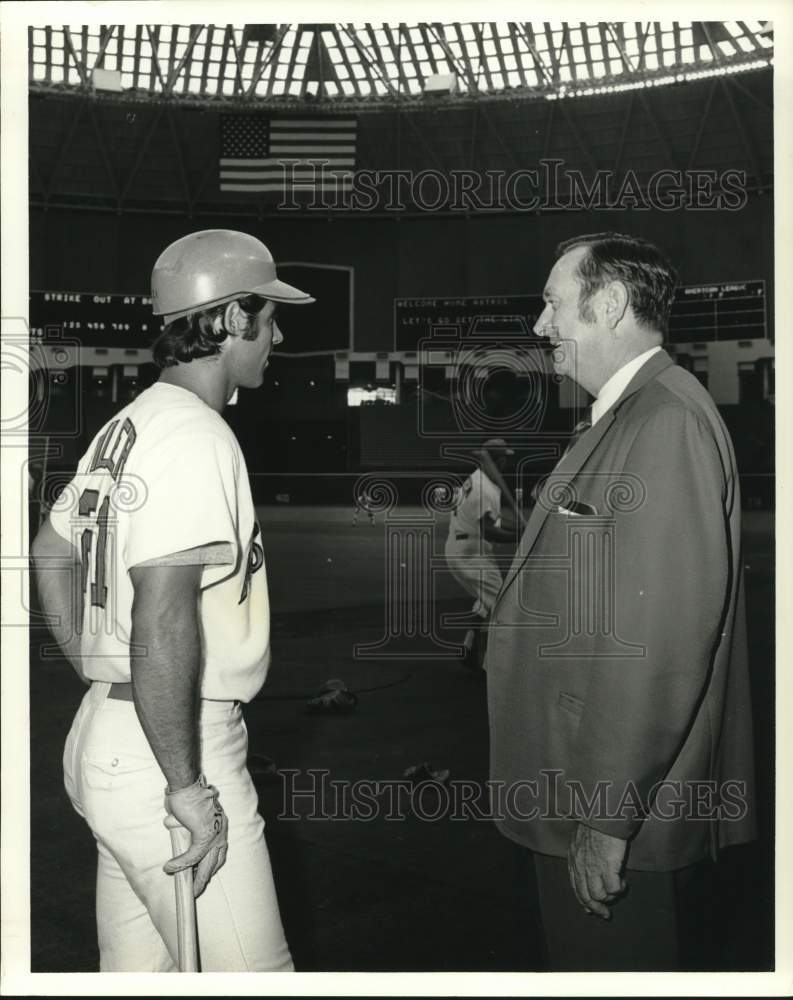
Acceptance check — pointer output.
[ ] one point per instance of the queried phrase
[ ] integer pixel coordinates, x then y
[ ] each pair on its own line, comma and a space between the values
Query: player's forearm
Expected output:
56, 572
55, 596
499, 535
165, 684
494, 474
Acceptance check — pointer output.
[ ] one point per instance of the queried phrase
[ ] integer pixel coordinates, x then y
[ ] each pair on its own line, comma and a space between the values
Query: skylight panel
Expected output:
401, 56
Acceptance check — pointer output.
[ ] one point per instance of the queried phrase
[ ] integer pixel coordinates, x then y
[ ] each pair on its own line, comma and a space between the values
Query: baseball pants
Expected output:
472, 565
116, 785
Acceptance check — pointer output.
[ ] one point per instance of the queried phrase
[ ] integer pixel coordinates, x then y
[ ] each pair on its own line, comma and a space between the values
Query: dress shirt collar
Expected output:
618, 383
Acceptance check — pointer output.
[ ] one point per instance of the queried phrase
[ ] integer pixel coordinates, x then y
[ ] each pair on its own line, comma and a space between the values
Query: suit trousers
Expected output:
116, 785
643, 934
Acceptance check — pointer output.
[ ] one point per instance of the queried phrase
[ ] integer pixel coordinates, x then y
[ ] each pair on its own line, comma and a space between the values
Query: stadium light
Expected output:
107, 79
441, 83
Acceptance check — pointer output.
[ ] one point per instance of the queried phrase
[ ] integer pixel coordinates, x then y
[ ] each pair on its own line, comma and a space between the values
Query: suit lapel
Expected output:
572, 463
565, 472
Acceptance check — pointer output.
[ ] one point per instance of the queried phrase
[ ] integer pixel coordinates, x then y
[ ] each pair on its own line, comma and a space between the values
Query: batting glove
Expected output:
198, 810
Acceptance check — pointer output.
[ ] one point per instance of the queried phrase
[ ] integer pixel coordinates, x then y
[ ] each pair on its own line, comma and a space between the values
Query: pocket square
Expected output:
576, 508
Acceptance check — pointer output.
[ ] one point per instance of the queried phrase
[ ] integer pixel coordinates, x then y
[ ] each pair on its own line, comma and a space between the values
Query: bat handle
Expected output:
186, 930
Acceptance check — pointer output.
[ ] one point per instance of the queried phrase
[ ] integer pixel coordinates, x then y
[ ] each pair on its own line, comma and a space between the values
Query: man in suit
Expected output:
620, 714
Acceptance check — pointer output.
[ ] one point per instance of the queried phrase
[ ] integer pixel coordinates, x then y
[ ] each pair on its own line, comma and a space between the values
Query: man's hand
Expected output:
594, 861
198, 810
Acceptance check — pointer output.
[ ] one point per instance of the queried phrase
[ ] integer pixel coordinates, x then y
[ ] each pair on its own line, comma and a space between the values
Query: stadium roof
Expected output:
370, 65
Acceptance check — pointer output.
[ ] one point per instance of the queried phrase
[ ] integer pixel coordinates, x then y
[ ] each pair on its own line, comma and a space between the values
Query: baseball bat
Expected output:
494, 473
186, 929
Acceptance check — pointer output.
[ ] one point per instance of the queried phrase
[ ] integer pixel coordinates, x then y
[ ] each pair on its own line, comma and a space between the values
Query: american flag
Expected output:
252, 146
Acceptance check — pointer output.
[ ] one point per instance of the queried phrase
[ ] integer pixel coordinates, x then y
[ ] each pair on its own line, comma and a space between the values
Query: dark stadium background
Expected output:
115, 179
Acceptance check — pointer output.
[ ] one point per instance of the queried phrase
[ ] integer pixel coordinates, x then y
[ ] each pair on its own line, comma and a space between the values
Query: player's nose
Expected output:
278, 337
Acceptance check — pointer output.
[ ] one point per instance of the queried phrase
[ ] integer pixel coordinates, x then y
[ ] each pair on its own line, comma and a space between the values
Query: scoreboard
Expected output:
724, 311
417, 319
700, 313
104, 320
93, 319
720, 311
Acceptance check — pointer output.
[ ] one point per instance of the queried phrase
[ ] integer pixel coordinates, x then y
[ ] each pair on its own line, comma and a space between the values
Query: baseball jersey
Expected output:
479, 495
166, 476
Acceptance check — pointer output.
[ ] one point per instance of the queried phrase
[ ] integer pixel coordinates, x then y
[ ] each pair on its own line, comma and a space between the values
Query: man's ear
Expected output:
231, 318
616, 300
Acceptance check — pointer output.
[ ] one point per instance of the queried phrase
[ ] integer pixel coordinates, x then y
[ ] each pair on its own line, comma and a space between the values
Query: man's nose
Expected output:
278, 337
541, 326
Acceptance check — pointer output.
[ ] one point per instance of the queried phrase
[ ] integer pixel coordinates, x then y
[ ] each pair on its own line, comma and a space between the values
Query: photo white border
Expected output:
16, 779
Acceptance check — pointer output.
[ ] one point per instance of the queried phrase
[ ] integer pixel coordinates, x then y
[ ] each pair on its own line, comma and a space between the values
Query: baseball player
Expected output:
163, 611
475, 523
363, 501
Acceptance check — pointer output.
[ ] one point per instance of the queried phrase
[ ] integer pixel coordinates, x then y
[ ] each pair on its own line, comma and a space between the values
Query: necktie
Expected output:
580, 428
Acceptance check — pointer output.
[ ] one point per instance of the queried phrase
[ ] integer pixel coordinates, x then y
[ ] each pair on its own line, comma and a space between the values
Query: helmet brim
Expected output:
280, 291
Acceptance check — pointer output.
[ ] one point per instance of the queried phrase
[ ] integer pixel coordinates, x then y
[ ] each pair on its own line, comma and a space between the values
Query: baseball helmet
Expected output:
212, 267
497, 446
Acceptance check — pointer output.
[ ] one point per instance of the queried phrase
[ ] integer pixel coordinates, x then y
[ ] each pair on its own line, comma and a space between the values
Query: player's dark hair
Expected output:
646, 273
194, 336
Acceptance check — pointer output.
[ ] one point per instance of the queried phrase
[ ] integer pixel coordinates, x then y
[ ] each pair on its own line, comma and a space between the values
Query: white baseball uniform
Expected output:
469, 555
166, 476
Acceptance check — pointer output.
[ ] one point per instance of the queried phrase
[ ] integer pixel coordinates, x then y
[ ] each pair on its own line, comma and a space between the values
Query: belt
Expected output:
460, 537
120, 691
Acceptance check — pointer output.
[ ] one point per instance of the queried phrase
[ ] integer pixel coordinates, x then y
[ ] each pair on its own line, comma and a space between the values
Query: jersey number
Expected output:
88, 502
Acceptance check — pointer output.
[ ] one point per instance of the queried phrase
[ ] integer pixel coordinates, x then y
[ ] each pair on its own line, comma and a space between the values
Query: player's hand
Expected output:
198, 810
594, 862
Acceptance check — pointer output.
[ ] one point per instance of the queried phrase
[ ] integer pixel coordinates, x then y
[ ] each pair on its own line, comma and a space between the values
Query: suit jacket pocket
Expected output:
571, 704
